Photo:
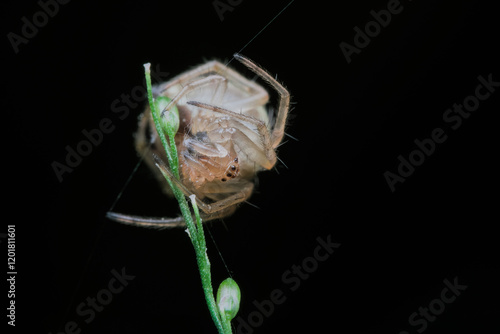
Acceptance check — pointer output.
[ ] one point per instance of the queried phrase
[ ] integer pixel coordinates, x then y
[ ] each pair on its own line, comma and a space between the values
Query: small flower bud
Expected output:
169, 119
228, 298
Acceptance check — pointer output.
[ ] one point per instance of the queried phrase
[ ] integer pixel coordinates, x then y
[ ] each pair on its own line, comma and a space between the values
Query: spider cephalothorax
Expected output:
224, 139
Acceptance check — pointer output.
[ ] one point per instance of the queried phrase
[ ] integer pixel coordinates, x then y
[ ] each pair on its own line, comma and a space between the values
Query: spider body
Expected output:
225, 137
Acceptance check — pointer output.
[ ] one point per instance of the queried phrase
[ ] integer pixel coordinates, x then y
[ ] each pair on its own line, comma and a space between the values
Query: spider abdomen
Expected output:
202, 160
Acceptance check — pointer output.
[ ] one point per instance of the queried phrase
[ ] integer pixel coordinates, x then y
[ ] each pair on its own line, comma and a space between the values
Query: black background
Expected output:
352, 121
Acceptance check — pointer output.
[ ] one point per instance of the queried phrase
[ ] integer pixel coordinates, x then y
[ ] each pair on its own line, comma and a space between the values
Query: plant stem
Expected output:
195, 230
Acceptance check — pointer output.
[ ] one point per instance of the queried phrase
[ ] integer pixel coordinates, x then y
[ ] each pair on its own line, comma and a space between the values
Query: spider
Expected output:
226, 135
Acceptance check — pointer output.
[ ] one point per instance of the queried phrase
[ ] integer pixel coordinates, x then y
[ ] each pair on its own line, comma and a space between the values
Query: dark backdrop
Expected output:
395, 252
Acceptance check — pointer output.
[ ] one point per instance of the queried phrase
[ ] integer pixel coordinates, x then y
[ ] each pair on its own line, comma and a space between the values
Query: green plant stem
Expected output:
226, 324
197, 236
159, 128
195, 230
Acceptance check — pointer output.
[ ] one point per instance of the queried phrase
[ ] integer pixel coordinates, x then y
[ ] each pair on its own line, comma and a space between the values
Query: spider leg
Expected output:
228, 204
219, 92
163, 222
185, 78
153, 222
284, 103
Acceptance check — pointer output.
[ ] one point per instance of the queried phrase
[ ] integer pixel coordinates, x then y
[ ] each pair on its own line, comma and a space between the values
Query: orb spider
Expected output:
226, 135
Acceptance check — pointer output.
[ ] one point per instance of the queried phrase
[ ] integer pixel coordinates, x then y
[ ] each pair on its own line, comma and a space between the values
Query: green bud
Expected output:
169, 119
228, 298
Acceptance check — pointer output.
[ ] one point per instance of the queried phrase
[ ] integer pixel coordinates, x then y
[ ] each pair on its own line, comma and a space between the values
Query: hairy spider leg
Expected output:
142, 221
161, 222
283, 107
